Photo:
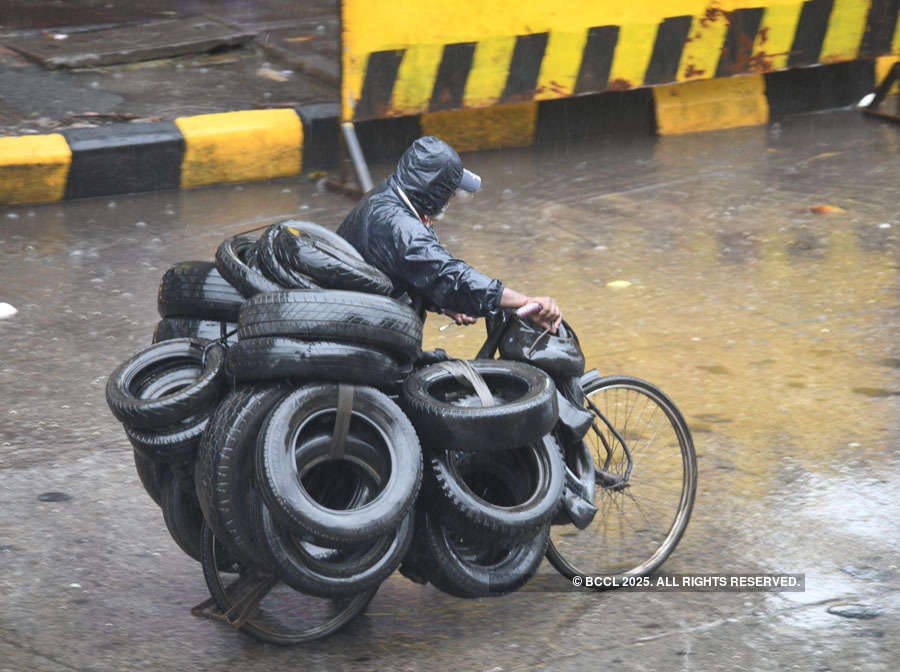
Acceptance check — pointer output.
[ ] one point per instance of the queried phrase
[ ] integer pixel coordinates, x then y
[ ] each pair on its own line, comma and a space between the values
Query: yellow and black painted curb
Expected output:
187, 152
262, 144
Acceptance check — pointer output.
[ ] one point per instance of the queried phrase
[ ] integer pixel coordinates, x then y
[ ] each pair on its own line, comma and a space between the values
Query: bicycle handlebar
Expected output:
521, 311
528, 309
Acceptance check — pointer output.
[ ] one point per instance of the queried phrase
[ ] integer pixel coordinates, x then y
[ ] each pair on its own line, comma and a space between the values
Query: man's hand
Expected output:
549, 315
460, 318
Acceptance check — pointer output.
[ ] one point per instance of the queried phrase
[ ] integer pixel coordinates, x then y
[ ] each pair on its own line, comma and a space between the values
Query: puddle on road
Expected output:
874, 392
716, 368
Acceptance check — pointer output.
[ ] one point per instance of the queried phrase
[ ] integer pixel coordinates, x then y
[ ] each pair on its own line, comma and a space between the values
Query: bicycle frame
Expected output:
496, 328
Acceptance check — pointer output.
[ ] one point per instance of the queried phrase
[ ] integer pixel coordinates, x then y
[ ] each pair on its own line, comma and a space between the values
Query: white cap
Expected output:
470, 181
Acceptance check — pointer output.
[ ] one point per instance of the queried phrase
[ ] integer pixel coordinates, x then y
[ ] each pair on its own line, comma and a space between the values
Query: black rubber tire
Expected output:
151, 473
172, 444
187, 327
280, 616
183, 471
236, 261
273, 358
332, 315
365, 568
162, 411
375, 419
196, 289
461, 486
323, 234
248, 252
178, 442
224, 471
182, 516
175, 443
530, 410
327, 264
468, 569
271, 267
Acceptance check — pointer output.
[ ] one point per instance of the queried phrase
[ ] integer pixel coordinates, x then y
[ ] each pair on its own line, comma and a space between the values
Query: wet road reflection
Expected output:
772, 325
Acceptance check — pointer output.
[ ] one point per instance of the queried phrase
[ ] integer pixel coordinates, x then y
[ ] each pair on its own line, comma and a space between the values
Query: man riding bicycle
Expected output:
392, 228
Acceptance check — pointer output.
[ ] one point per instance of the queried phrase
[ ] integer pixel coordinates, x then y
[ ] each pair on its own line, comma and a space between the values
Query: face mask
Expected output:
458, 193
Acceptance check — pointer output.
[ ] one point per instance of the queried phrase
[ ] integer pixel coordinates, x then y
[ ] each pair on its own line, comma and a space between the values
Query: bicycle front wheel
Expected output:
644, 503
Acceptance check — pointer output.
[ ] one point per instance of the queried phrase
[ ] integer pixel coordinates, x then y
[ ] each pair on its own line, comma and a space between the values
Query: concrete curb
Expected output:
263, 144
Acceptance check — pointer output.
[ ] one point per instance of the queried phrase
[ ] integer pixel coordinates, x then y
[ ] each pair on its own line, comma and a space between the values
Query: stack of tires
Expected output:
494, 477
280, 407
279, 499
164, 396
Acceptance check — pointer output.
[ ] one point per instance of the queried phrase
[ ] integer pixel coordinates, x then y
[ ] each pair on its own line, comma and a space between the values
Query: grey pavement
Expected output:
753, 274
293, 61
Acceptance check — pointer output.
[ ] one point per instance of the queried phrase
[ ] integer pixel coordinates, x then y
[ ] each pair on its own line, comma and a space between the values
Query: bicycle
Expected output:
642, 479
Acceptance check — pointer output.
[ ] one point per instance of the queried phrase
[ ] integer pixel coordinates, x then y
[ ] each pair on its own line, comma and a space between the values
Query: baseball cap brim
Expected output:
470, 181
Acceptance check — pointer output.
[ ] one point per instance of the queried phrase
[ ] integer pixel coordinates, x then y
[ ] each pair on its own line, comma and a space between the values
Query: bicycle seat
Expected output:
558, 354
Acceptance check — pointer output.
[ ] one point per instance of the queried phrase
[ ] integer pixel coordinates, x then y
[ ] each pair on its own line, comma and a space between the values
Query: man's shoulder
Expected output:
387, 214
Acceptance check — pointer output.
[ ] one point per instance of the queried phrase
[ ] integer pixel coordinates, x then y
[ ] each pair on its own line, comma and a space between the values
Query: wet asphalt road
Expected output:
773, 327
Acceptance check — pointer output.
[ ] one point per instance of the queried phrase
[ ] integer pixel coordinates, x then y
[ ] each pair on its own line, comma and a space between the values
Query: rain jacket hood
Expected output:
428, 172
394, 240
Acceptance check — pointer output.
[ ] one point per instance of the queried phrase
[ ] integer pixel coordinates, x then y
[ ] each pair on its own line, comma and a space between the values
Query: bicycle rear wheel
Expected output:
642, 511
267, 609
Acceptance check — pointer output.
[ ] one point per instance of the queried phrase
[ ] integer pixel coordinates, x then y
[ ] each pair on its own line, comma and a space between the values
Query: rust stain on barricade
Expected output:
620, 85
762, 62
691, 71
713, 13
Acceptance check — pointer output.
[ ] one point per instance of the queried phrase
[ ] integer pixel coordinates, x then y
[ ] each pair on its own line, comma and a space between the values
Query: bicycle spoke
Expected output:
637, 423
641, 511
635, 453
652, 414
616, 417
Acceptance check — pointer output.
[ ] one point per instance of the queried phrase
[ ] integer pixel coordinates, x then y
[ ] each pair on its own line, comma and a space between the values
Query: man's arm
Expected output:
549, 316
452, 284
419, 259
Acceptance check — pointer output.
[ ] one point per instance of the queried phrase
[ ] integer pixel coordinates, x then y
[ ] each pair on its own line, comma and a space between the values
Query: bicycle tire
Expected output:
565, 544
196, 289
334, 315
237, 263
264, 623
146, 409
459, 490
272, 268
432, 399
328, 264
